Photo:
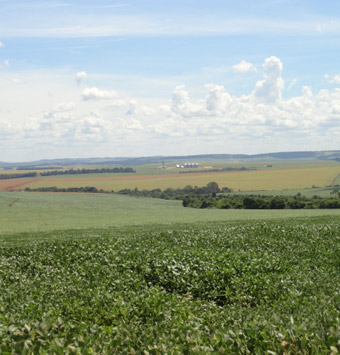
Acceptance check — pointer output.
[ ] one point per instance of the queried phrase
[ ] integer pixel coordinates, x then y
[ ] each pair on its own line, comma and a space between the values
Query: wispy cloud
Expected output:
292, 83
144, 25
111, 6
4, 64
332, 79
40, 5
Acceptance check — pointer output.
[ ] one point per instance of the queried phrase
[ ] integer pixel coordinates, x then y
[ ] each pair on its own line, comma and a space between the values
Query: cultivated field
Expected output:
106, 273
269, 179
236, 288
28, 211
13, 184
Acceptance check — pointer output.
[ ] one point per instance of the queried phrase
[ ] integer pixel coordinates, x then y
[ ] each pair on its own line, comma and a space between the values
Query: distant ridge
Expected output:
304, 155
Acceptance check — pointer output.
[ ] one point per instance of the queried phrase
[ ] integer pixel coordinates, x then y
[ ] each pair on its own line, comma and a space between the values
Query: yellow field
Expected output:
276, 179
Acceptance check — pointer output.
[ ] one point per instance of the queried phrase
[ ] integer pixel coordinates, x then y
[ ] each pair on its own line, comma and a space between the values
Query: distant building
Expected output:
187, 165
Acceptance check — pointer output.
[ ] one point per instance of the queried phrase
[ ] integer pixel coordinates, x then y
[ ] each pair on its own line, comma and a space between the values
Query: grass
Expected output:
309, 192
270, 179
23, 212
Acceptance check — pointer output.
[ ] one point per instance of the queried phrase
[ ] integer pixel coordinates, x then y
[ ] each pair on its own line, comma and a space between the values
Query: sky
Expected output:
106, 78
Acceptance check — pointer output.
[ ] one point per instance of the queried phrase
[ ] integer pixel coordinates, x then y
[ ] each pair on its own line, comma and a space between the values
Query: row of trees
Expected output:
17, 176
211, 196
88, 171
211, 189
88, 189
260, 202
68, 172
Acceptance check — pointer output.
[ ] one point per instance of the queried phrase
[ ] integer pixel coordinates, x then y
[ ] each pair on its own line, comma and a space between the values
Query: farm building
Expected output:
187, 165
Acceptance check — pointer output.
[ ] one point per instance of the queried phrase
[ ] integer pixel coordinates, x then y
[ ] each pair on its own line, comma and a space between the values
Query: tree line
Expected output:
88, 171
68, 172
170, 193
17, 176
260, 202
87, 189
212, 196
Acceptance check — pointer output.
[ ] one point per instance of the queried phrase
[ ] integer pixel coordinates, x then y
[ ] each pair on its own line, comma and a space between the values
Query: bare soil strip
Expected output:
333, 181
11, 184
13, 202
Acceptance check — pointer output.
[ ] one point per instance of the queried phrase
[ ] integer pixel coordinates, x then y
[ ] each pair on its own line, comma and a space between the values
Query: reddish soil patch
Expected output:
13, 184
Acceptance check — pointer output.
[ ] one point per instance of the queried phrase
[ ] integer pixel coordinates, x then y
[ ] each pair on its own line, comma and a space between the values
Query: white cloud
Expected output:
1, 44
41, 5
80, 77
55, 24
117, 103
243, 67
97, 94
183, 105
213, 122
63, 107
217, 99
332, 80
16, 81
292, 83
269, 89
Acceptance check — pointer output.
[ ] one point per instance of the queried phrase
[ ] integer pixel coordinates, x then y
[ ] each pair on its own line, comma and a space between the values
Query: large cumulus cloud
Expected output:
262, 117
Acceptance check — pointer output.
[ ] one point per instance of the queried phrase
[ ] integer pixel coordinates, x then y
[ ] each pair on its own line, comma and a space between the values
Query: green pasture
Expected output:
28, 211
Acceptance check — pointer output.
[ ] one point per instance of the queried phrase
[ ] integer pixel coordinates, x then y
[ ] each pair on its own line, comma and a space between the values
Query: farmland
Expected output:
106, 273
21, 211
237, 288
270, 179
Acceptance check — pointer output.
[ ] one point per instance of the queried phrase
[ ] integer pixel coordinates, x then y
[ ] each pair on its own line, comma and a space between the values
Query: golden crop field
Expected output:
270, 179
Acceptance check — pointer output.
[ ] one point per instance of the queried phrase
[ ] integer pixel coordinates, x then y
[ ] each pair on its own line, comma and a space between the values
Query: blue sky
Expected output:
112, 78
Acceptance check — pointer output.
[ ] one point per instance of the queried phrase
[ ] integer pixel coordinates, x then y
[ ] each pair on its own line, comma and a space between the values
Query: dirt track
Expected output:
333, 181
13, 184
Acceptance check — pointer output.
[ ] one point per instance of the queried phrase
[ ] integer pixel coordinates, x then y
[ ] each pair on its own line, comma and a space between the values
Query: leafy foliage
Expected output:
67, 172
88, 171
17, 176
248, 288
259, 202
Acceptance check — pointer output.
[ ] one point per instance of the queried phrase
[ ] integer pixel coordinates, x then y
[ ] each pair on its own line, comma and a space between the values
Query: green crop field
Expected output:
105, 273
309, 192
266, 287
28, 211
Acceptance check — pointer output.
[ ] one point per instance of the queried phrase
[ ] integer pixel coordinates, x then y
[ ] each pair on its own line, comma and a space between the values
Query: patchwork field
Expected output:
270, 179
106, 273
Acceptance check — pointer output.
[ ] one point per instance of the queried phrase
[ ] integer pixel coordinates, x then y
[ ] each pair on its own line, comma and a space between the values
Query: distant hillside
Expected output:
314, 155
